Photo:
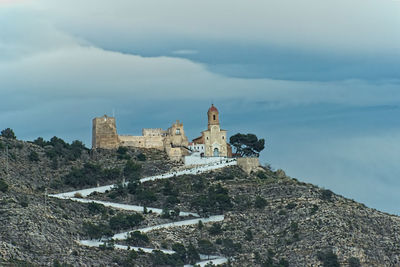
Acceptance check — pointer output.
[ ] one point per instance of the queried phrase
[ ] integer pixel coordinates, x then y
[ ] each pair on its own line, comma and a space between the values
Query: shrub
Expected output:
180, 250
95, 208
215, 229
141, 157
260, 202
314, 209
96, 231
168, 189
33, 156
159, 258
224, 177
216, 200
122, 153
326, 194
171, 201
262, 175
205, 246
229, 247
146, 195
291, 205
122, 221
354, 262
90, 174
192, 254
122, 150
8, 133
294, 227
3, 186
328, 258
248, 235
136, 238
24, 201
40, 142
132, 170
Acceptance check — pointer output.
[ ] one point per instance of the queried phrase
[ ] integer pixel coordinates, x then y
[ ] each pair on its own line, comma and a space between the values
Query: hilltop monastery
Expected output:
211, 143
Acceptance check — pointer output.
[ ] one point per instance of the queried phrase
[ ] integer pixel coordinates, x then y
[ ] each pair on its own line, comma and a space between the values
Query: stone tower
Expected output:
104, 133
213, 116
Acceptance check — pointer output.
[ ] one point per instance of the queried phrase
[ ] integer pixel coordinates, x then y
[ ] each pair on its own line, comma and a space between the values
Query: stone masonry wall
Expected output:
248, 164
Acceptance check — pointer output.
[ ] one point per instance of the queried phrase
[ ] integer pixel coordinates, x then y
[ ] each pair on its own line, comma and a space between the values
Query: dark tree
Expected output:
205, 247
192, 254
247, 145
8, 133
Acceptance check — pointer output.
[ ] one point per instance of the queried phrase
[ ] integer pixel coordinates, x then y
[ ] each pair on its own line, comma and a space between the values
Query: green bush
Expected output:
122, 153
97, 231
262, 175
123, 221
146, 195
328, 258
230, 248
354, 262
33, 156
24, 201
192, 254
3, 186
90, 174
136, 238
8, 133
40, 142
326, 194
216, 200
291, 205
248, 235
141, 157
59, 148
205, 247
96, 208
180, 250
215, 229
132, 170
260, 202
159, 258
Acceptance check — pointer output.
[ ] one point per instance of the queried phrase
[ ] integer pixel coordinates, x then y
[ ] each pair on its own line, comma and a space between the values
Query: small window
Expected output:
178, 131
214, 117
223, 137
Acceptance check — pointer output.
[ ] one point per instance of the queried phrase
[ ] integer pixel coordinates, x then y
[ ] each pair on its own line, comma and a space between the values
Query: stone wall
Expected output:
248, 164
152, 132
142, 141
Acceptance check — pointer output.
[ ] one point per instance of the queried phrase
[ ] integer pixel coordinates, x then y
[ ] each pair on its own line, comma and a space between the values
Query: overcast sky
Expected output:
319, 80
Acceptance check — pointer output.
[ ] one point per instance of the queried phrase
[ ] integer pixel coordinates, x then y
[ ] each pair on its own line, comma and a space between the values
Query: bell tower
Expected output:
213, 118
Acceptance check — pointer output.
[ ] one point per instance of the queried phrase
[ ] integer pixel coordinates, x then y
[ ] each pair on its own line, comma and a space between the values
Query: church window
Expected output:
178, 131
214, 117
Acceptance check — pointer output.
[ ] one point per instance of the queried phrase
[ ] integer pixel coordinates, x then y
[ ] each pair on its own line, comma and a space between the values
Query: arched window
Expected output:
216, 152
214, 117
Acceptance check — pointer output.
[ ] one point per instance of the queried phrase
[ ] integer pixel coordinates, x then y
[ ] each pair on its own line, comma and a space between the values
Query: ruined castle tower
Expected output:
104, 133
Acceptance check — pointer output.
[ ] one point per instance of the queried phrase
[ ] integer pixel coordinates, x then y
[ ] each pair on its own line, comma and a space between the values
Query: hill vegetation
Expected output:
270, 219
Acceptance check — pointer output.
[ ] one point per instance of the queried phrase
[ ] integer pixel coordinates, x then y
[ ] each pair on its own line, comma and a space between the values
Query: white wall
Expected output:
195, 159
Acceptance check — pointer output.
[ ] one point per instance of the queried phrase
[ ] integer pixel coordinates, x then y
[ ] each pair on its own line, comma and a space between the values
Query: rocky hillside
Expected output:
270, 219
